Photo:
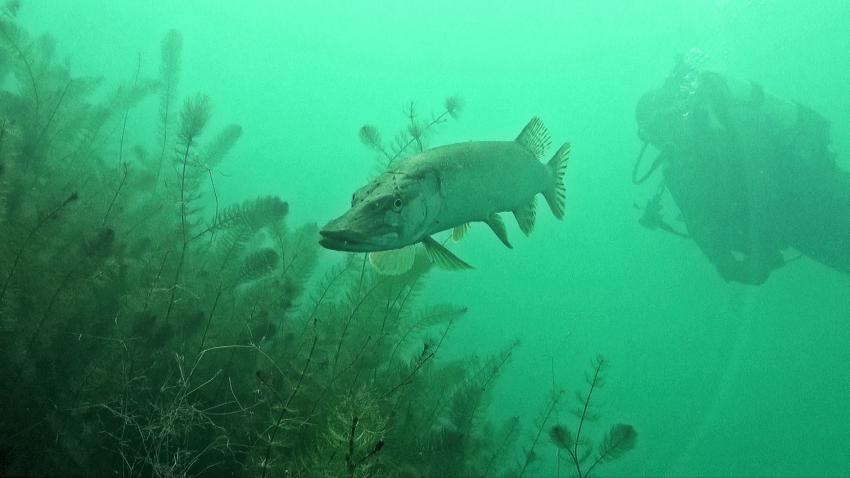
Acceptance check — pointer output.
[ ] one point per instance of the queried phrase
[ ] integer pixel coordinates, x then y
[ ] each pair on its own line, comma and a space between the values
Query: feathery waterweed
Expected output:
619, 440
258, 264
193, 118
371, 137
220, 146
253, 214
414, 133
454, 106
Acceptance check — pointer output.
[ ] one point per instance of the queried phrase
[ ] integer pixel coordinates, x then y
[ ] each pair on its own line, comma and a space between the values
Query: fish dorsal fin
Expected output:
459, 231
394, 262
498, 226
525, 216
442, 257
535, 137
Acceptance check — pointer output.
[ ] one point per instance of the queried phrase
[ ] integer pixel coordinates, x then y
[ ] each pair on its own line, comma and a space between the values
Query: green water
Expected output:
718, 378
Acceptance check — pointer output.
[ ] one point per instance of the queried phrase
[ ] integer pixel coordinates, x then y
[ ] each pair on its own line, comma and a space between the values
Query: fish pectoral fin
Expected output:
459, 231
498, 226
442, 257
535, 137
526, 215
394, 262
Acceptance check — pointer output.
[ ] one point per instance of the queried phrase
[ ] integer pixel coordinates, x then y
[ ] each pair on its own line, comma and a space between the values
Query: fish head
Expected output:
392, 211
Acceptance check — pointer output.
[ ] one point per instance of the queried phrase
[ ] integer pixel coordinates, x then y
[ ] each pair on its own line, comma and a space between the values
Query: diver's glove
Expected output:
752, 269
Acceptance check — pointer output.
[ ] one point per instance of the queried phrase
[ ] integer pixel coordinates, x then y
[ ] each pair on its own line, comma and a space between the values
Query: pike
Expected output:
449, 187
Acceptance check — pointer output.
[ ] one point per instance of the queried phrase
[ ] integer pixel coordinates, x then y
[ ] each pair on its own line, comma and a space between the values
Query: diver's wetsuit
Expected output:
751, 176
818, 196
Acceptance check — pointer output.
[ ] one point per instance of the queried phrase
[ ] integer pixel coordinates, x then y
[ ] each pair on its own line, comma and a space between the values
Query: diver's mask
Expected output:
659, 123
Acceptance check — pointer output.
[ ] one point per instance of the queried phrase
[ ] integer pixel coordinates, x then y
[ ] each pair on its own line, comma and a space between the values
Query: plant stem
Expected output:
53, 113
155, 280
28, 65
127, 112
348, 321
27, 240
593, 383
350, 464
117, 192
403, 148
528, 459
212, 313
183, 231
286, 406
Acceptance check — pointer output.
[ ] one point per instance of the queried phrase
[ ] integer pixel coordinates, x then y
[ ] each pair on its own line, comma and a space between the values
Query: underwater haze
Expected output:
166, 309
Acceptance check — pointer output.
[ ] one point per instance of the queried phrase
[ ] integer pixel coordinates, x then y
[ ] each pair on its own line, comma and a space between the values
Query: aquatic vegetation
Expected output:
580, 451
413, 137
149, 331
169, 77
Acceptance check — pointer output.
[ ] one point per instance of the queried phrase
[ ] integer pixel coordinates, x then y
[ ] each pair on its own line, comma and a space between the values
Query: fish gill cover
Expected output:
149, 330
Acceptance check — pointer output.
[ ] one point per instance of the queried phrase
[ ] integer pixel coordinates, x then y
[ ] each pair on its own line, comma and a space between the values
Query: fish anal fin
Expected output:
526, 215
498, 226
535, 137
459, 231
393, 262
442, 257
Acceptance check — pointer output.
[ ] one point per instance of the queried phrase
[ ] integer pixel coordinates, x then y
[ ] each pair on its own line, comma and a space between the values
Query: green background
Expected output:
720, 379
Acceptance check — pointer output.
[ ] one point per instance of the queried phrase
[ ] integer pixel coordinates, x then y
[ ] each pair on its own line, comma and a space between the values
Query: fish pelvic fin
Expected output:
535, 137
394, 262
558, 166
498, 226
525, 216
442, 257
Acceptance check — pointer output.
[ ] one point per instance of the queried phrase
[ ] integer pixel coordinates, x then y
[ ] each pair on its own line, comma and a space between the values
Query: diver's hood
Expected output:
662, 119
653, 114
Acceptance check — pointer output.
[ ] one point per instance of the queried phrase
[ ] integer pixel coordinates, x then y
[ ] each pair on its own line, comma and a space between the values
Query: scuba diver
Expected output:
752, 175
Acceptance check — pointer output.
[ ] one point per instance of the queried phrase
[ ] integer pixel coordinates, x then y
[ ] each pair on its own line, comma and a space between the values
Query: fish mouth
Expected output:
347, 241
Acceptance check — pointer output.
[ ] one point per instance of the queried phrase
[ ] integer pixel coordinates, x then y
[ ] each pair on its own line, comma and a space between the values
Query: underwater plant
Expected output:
413, 137
150, 327
169, 77
580, 451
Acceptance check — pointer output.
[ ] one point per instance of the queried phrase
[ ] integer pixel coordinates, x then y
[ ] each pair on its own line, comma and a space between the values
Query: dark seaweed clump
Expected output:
148, 330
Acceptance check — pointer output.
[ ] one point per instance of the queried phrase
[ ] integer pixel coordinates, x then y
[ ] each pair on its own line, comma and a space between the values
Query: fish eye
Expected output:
397, 203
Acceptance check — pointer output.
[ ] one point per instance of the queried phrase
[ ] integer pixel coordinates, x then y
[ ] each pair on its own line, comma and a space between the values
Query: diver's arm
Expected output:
717, 243
750, 269
721, 257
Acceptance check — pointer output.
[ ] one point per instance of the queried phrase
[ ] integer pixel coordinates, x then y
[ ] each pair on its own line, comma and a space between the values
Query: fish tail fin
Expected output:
556, 194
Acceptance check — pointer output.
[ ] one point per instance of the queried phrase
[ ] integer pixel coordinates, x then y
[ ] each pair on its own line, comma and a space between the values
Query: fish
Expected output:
448, 188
